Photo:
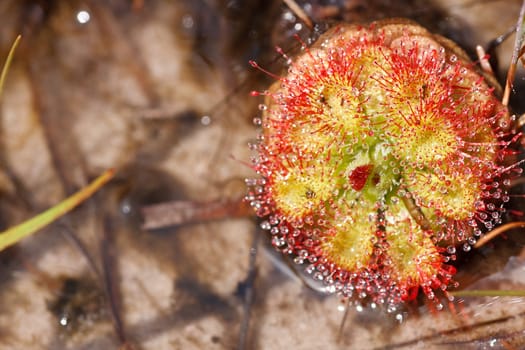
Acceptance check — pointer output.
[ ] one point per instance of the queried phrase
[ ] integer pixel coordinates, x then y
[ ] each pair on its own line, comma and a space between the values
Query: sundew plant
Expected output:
382, 151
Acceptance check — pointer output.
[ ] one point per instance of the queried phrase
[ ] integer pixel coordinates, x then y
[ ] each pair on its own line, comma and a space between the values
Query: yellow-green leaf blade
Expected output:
28, 227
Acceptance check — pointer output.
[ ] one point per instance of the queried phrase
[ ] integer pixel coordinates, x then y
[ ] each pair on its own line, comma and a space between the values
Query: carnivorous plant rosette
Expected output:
381, 152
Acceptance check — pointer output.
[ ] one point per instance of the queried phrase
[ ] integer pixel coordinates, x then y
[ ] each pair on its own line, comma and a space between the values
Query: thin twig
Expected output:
78, 244
109, 267
498, 231
518, 44
186, 212
343, 321
249, 294
299, 12
500, 39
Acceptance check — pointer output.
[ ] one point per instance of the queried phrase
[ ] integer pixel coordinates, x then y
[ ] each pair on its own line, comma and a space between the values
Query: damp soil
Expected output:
160, 91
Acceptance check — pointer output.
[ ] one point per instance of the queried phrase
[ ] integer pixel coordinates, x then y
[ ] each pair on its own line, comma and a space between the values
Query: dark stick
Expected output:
186, 212
109, 266
78, 244
249, 294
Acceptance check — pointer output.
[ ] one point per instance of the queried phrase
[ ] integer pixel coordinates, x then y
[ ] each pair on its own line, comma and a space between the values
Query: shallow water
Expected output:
161, 92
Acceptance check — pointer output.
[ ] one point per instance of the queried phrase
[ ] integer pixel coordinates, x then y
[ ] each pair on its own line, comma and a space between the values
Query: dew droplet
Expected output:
265, 225
83, 17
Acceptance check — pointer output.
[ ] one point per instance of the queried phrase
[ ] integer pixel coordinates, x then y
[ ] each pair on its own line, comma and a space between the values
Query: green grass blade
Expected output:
489, 293
27, 228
